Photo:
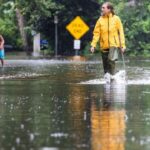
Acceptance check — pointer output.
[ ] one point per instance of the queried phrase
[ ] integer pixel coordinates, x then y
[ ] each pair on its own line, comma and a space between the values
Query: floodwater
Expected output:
65, 105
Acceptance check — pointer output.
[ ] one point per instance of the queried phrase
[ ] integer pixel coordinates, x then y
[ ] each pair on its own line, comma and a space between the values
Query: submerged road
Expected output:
65, 105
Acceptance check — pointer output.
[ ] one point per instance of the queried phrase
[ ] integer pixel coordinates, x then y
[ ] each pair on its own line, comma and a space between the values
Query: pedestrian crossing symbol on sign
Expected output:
77, 28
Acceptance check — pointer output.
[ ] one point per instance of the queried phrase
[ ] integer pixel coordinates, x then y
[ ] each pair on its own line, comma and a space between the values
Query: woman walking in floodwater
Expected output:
109, 31
2, 50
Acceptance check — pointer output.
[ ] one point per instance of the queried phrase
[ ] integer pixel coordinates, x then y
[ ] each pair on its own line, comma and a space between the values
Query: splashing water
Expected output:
119, 77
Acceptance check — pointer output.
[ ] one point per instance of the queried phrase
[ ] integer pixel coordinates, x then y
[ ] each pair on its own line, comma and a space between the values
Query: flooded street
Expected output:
65, 105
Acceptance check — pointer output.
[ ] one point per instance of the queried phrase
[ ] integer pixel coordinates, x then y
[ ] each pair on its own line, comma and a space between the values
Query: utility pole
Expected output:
56, 33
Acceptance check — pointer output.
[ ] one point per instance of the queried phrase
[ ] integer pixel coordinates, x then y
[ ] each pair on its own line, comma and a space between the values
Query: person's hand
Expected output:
122, 49
92, 49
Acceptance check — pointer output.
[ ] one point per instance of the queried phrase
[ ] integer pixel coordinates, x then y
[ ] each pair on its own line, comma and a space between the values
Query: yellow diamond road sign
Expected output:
77, 27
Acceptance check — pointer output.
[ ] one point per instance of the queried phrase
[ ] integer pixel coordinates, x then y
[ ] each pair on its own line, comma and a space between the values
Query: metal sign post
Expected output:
56, 34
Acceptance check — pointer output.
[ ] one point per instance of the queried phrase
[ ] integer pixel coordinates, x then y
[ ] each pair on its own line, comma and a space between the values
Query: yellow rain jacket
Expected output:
109, 31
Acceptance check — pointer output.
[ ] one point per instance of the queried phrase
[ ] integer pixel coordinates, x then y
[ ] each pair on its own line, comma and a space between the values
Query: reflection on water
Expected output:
108, 119
77, 58
77, 107
114, 93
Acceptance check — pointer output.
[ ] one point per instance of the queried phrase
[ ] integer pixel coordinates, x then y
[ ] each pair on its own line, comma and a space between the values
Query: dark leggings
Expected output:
108, 65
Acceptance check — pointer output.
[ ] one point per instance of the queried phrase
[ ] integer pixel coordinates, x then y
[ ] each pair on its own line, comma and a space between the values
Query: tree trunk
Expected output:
23, 34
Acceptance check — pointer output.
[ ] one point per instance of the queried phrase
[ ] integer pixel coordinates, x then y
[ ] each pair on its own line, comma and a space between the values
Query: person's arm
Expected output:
2, 41
96, 35
121, 35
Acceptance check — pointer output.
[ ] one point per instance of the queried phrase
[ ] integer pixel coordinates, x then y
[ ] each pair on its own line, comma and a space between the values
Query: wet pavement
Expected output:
45, 106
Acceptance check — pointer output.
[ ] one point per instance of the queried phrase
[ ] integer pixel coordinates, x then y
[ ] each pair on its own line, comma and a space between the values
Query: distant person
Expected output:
109, 31
2, 50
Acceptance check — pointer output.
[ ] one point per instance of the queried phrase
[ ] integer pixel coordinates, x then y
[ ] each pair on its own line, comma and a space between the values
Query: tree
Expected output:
137, 27
27, 14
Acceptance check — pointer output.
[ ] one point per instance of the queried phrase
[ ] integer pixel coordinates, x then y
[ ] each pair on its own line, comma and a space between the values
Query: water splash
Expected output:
21, 76
119, 78
129, 82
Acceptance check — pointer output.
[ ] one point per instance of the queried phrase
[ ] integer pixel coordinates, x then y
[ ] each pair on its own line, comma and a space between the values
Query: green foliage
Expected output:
137, 27
8, 26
